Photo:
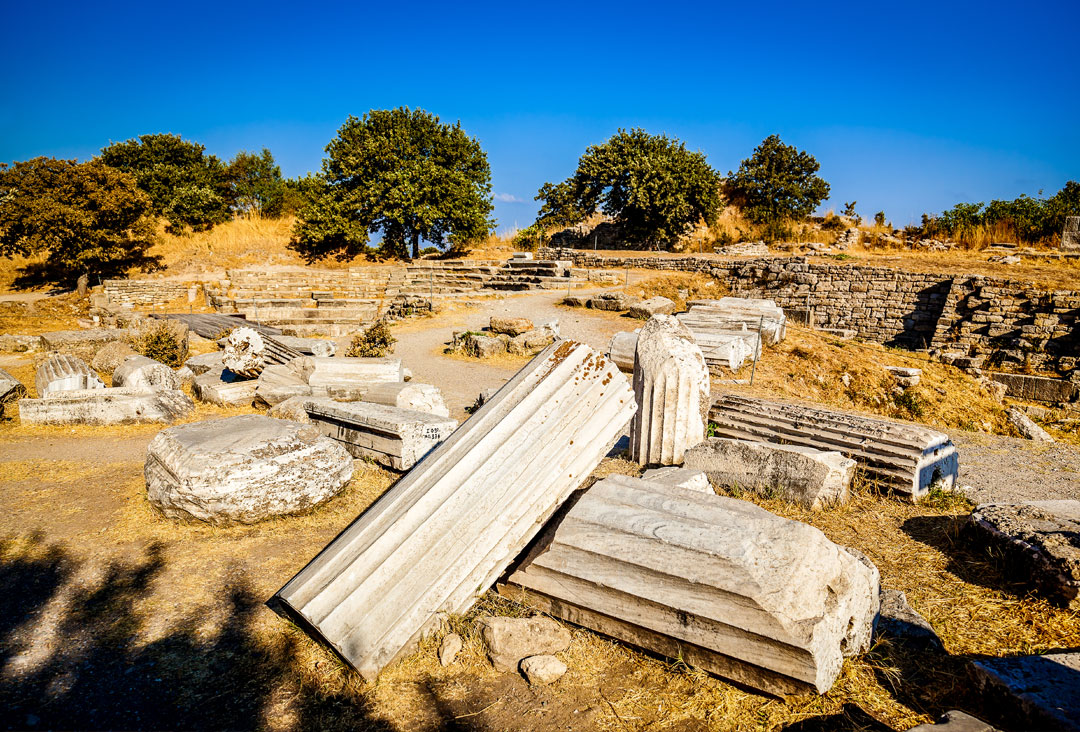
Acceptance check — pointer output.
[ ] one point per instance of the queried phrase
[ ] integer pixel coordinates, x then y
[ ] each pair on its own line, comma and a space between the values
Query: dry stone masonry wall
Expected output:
1009, 321
144, 292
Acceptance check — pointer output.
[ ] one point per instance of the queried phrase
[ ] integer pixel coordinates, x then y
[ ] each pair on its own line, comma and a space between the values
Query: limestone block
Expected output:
204, 362
810, 477
1040, 540
396, 438
308, 346
653, 306
140, 372
243, 469
450, 527
613, 301
277, 383
907, 457
671, 385
243, 354
224, 388
905, 377
533, 341
509, 640
621, 349
1041, 691
111, 355
83, 342
291, 409
107, 406
693, 480
411, 395
482, 346
61, 372
510, 326
721, 583
11, 389
351, 374
1026, 426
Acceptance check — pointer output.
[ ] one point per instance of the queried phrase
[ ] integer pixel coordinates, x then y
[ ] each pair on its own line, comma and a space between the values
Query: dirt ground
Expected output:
114, 617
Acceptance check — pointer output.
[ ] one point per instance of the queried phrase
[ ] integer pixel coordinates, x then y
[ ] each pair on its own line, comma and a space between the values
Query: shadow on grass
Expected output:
41, 274
71, 656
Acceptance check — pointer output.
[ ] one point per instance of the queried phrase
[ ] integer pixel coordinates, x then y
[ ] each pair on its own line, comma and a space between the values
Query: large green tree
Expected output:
651, 185
86, 218
188, 187
777, 183
401, 173
257, 186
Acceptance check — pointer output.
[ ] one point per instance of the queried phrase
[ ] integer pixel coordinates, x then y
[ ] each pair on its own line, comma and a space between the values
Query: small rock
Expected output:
898, 619
905, 377
111, 355
448, 650
542, 670
510, 326
509, 640
653, 306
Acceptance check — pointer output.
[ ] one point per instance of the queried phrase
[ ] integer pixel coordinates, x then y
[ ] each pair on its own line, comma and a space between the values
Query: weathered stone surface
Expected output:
693, 480
1041, 692
737, 313
1026, 426
510, 326
140, 372
542, 670
485, 491
396, 438
955, 721
533, 341
898, 620
308, 346
721, 583
19, 343
653, 306
481, 346
1039, 539
509, 640
411, 395
804, 475
243, 469
671, 386
449, 648
107, 406
185, 375
204, 362
111, 355
291, 409
1036, 388
62, 372
905, 377
908, 457
243, 354
614, 301
11, 389
277, 383
621, 349
84, 342
224, 388
331, 376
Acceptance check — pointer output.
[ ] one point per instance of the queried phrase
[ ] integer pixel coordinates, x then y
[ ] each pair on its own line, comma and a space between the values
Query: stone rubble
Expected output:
542, 670
140, 372
1026, 426
510, 640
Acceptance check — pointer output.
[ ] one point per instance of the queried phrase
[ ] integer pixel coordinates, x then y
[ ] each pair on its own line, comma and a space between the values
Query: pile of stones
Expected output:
516, 336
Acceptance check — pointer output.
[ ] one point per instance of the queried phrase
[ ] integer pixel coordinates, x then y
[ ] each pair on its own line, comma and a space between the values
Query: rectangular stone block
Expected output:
449, 528
224, 388
394, 437
106, 406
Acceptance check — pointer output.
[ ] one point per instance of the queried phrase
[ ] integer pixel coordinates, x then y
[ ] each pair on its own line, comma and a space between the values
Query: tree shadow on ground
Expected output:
50, 274
851, 718
71, 655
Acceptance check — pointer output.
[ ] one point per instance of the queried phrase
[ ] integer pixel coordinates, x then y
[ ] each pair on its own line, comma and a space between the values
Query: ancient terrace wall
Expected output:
1013, 323
144, 292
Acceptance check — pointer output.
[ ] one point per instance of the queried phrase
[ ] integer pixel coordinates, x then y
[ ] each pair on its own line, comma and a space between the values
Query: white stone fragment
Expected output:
352, 374
243, 354
813, 478
140, 372
671, 386
107, 406
693, 480
61, 372
411, 395
243, 469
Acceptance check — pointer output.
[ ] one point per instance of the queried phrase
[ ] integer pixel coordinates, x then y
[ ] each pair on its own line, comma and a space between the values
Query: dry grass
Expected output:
811, 366
680, 288
47, 314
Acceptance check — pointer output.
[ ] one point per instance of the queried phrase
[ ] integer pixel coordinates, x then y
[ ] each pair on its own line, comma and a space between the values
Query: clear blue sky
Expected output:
909, 107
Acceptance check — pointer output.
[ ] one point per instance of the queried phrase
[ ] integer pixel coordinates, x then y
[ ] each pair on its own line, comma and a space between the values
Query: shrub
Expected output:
160, 343
375, 341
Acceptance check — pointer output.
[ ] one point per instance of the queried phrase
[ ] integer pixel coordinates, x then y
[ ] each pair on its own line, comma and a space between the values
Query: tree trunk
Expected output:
415, 244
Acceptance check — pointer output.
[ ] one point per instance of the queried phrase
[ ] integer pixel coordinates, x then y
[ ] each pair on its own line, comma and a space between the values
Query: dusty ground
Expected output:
113, 617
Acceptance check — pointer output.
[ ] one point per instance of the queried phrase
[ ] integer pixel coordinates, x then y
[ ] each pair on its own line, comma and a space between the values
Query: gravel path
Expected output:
1010, 469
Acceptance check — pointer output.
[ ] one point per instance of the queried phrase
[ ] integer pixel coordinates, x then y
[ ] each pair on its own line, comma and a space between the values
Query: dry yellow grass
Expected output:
680, 288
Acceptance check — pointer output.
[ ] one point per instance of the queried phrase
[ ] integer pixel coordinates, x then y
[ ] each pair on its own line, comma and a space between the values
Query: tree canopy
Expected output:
87, 218
778, 182
651, 185
1031, 220
401, 173
257, 186
188, 187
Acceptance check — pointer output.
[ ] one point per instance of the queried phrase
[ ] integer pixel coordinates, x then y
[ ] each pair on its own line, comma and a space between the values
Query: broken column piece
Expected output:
411, 395
720, 583
449, 527
61, 372
906, 457
671, 386
622, 347
121, 405
140, 372
224, 388
805, 475
396, 438
737, 313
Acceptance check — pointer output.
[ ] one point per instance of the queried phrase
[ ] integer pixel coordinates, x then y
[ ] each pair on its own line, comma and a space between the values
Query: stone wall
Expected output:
1012, 323
144, 292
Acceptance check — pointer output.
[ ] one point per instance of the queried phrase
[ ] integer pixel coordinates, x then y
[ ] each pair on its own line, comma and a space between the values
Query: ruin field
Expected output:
120, 614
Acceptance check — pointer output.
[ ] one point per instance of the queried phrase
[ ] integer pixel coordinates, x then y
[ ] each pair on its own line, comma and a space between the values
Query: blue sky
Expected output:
909, 107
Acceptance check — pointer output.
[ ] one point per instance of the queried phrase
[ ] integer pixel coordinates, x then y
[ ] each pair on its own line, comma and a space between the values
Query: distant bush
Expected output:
160, 343
1022, 220
528, 239
428, 251
375, 341
833, 223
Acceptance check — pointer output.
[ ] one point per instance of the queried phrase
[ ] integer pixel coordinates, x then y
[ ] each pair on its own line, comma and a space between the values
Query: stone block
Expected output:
411, 395
330, 376
1040, 692
653, 306
11, 389
693, 480
107, 406
396, 438
510, 326
243, 469
140, 372
1026, 426
204, 362
62, 372
308, 346
804, 475
224, 388
510, 640
111, 355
